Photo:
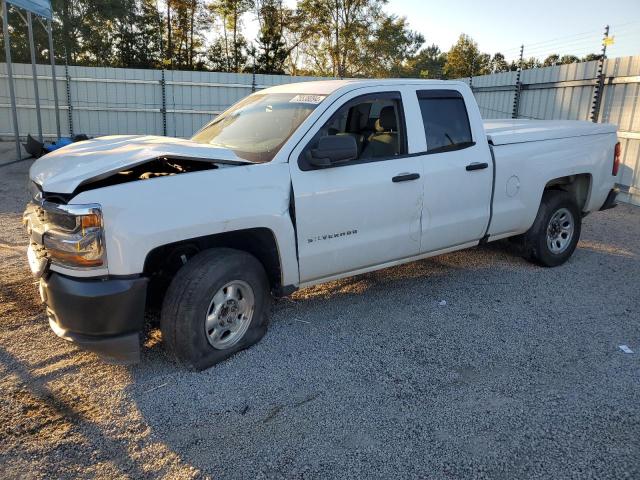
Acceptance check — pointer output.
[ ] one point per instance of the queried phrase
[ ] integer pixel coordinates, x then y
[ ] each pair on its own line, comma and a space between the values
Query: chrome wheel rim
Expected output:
229, 314
560, 231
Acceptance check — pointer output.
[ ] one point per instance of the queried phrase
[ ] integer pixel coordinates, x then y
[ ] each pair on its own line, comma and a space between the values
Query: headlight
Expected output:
74, 235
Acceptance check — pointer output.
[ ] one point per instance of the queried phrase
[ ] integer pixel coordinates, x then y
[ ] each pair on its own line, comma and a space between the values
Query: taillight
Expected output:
616, 160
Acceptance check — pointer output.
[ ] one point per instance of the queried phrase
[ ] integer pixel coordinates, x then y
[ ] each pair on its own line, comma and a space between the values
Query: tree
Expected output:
230, 13
498, 63
465, 60
216, 56
388, 51
271, 44
530, 62
185, 23
344, 38
119, 33
591, 57
427, 63
566, 59
338, 33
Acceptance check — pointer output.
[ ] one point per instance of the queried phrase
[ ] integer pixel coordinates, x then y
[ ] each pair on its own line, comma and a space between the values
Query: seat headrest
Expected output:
387, 121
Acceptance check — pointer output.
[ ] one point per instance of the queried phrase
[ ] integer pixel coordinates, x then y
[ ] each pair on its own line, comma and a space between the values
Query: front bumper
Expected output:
104, 316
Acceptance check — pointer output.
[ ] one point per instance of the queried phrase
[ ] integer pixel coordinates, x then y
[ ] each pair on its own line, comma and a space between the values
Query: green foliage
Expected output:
565, 59
230, 13
499, 64
427, 63
465, 60
390, 49
272, 51
340, 38
338, 34
591, 57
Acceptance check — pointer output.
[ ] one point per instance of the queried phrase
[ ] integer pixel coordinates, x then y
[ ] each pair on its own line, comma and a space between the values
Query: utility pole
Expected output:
598, 90
516, 95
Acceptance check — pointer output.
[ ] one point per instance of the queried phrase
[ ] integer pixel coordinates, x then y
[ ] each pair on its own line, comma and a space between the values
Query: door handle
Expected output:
476, 166
405, 177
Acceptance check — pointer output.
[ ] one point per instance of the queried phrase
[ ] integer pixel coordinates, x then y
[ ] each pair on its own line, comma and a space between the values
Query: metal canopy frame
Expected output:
41, 8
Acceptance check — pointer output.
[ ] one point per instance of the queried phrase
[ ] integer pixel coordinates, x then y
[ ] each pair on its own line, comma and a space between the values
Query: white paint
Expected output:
503, 132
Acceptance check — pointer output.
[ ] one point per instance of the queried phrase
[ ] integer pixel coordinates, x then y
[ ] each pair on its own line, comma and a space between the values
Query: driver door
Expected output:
365, 212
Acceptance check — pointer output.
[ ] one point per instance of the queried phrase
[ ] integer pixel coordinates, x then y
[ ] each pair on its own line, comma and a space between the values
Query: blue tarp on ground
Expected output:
39, 7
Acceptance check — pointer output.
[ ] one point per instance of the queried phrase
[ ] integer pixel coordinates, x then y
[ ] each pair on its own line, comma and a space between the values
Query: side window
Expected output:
446, 123
376, 123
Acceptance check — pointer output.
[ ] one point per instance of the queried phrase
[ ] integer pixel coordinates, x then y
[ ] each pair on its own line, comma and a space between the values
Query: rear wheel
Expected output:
554, 235
216, 305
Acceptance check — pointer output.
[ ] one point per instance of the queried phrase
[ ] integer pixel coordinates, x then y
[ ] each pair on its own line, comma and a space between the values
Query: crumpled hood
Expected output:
63, 170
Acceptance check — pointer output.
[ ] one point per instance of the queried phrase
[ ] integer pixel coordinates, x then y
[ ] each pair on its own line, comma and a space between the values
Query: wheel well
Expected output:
577, 185
162, 263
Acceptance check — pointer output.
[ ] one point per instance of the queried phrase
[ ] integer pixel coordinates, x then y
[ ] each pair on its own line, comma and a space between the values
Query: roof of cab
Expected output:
326, 87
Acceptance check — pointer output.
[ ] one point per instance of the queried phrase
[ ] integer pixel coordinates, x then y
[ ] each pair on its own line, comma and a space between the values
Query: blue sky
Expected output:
544, 26
565, 26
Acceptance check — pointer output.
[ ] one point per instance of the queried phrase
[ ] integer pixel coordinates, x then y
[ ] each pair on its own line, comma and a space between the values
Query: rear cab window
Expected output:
445, 120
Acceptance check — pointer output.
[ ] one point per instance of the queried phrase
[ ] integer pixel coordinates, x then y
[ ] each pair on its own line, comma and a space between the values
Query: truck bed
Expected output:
508, 131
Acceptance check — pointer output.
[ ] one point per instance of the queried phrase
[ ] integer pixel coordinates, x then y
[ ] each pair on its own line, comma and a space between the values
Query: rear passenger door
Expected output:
457, 168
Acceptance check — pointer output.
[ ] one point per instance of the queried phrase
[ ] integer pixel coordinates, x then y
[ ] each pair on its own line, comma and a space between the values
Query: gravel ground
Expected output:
519, 375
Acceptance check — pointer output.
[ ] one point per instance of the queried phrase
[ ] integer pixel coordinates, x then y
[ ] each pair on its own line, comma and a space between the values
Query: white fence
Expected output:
567, 92
99, 101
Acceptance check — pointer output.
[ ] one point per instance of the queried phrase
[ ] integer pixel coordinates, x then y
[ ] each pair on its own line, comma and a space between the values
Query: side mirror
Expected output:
333, 149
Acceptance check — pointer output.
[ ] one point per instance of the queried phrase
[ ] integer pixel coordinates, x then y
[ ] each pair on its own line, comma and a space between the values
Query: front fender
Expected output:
142, 215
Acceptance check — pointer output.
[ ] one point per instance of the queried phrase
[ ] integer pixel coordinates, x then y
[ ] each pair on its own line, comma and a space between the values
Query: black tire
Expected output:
188, 299
535, 244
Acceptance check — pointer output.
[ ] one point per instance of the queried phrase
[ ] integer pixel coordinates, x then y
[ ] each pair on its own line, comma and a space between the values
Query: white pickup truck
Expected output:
293, 186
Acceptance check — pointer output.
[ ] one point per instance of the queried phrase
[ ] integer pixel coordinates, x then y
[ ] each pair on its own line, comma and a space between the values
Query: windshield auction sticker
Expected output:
315, 99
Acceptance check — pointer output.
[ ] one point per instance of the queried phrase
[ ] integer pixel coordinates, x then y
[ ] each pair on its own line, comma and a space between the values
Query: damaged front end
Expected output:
155, 168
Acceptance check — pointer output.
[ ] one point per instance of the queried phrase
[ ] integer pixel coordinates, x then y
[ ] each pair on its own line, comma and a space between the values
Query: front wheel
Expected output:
216, 305
554, 235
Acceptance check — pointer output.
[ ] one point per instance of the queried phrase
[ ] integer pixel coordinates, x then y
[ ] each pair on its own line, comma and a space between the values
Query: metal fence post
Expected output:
34, 73
52, 60
67, 78
516, 95
253, 69
163, 109
598, 90
12, 92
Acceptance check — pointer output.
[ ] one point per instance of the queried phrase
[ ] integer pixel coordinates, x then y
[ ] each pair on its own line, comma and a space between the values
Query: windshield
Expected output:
256, 127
